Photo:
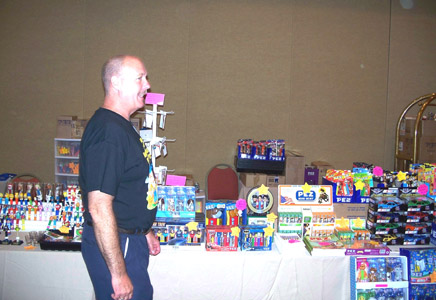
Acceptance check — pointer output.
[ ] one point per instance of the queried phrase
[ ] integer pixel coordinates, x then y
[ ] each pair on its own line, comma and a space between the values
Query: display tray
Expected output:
259, 166
55, 240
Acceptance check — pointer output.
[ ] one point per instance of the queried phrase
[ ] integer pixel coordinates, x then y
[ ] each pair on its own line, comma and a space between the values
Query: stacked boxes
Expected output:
419, 208
401, 220
386, 215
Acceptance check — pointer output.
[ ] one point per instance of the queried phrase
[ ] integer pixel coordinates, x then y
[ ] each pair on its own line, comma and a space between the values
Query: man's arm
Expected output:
106, 233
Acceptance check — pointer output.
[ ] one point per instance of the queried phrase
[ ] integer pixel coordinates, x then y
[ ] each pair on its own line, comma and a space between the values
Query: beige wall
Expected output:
330, 77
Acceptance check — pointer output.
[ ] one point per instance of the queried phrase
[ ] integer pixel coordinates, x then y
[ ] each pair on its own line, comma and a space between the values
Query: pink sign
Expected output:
423, 189
153, 98
377, 171
241, 204
176, 180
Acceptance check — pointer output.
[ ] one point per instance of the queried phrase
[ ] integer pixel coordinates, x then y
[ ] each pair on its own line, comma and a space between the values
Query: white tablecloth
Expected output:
182, 274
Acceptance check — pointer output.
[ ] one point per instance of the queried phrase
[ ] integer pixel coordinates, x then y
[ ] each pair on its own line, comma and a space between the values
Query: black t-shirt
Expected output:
112, 161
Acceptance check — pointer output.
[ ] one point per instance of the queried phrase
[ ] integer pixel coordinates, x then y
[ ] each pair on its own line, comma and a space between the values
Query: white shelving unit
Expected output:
66, 154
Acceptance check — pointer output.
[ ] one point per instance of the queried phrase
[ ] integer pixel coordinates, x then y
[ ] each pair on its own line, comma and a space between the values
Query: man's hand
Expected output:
123, 288
153, 243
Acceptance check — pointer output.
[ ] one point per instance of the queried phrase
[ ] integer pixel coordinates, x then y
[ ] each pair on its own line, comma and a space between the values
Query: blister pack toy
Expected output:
175, 202
394, 269
291, 222
362, 269
179, 232
222, 238
422, 264
255, 238
234, 216
343, 180
215, 213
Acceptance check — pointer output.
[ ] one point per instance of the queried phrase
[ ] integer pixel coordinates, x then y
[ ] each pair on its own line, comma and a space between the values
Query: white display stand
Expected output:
155, 145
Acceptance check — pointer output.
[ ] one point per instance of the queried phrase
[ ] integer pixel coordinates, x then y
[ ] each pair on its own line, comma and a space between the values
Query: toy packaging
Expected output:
423, 292
234, 217
175, 202
179, 232
259, 201
343, 180
215, 213
422, 264
421, 270
379, 277
222, 238
362, 269
272, 150
382, 293
323, 224
255, 238
366, 181
291, 222
394, 269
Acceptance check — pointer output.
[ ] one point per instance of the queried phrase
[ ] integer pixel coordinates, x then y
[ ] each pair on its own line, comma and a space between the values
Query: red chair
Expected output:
222, 183
26, 178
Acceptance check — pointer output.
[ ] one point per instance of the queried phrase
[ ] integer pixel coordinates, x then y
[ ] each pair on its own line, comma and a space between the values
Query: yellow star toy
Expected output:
235, 231
401, 176
306, 188
343, 223
192, 226
263, 190
64, 229
358, 223
271, 217
359, 185
268, 231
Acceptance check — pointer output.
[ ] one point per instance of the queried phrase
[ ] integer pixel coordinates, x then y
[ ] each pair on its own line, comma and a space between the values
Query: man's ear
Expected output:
115, 81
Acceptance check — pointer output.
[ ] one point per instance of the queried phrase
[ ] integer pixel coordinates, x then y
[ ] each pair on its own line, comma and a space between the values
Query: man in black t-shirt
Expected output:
118, 188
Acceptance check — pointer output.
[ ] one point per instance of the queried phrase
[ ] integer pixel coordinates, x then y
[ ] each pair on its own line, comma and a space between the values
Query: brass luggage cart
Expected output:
402, 162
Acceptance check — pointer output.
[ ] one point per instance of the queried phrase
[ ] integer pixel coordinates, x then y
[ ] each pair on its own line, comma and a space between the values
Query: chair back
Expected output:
222, 183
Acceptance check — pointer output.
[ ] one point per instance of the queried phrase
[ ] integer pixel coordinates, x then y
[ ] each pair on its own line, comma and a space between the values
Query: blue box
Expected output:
355, 198
252, 238
433, 233
421, 265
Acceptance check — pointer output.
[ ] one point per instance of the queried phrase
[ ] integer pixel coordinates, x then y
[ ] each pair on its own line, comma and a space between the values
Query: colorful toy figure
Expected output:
372, 275
362, 270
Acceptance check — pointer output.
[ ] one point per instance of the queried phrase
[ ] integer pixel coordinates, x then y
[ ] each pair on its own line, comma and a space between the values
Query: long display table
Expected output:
182, 274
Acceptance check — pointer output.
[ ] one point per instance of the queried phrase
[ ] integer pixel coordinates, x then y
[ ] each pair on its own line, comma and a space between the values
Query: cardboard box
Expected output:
70, 127
405, 146
427, 149
426, 128
407, 126
294, 169
78, 128
253, 179
275, 180
63, 126
322, 166
311, 175
350, 210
